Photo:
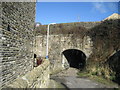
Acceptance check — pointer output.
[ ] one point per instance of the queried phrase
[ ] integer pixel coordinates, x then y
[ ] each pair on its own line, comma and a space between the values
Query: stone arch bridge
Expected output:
63, 47
17, 51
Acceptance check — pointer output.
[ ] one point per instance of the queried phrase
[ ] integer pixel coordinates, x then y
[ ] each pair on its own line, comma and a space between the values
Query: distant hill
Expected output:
113, 16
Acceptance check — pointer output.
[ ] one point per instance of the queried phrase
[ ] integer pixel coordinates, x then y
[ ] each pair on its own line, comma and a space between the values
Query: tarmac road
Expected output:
69, 79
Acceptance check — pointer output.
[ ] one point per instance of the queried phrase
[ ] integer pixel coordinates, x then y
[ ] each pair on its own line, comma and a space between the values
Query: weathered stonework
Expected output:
97, 40
59, 43
16, 53
37, 78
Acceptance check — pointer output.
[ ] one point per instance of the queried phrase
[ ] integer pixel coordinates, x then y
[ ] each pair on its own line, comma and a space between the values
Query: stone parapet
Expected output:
36, 78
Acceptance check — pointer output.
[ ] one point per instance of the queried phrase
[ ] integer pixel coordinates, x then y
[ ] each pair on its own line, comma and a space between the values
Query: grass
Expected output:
98, 79
103, 81
83, 75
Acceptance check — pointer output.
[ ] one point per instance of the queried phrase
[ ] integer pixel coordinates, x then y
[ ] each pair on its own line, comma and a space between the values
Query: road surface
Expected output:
69, 79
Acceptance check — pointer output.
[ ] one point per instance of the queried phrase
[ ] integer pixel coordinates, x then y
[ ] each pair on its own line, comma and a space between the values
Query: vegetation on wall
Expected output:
106, 37
78, 28
114, 65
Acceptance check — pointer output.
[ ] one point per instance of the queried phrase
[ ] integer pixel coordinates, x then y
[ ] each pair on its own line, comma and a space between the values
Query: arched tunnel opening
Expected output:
75, 58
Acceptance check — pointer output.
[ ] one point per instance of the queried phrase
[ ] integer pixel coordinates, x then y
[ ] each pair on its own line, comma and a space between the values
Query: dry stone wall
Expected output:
16, 53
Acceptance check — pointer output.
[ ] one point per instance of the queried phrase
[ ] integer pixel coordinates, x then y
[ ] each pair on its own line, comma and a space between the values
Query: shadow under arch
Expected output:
114, 64
76, 58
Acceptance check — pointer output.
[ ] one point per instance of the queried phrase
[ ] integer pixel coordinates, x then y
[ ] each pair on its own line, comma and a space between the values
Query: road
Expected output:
69, 79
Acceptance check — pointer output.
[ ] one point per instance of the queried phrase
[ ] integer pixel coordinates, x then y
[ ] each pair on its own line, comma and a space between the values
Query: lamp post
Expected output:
48, 29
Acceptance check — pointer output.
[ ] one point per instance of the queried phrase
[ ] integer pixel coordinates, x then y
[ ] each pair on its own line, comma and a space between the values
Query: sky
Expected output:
67, 12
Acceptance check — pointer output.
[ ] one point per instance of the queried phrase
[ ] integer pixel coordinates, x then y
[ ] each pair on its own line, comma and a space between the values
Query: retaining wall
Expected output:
37, 78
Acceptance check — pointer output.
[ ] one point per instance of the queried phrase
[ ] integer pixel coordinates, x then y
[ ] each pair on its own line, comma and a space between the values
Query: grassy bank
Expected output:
98, 79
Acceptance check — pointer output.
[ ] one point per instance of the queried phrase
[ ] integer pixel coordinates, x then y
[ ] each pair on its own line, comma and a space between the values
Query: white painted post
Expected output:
47, 42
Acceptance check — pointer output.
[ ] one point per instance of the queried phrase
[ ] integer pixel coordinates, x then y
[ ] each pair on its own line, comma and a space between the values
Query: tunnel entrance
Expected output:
75, 58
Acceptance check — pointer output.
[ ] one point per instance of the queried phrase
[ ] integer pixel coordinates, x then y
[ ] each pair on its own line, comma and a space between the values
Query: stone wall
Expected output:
59, 43
16, 53
62, 37
37, 78
98, 40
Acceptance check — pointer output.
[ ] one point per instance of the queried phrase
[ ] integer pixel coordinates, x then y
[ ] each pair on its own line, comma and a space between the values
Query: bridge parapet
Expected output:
36, 78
